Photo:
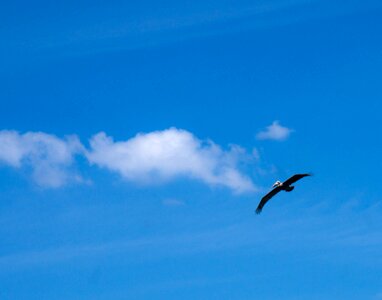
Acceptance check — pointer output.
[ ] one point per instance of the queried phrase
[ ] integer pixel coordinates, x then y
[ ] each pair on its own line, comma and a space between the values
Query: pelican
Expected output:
280, 186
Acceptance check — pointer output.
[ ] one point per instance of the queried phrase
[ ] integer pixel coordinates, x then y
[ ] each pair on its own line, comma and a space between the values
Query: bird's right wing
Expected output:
266, 198
295, 178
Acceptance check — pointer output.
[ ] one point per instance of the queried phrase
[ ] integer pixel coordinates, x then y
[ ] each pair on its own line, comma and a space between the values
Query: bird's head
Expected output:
277, 183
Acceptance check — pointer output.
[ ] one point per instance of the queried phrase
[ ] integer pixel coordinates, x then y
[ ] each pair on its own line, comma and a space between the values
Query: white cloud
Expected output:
164, 155
47, 156
149, 158
274, 132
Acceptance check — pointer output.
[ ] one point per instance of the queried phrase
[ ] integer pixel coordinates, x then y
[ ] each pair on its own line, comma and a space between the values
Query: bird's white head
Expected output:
277, 183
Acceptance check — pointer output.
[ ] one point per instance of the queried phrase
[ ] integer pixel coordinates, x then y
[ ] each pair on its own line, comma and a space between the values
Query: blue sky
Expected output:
136, 140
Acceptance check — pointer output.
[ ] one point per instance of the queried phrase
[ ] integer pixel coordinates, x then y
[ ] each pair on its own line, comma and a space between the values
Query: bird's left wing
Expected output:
266, 198
295, 178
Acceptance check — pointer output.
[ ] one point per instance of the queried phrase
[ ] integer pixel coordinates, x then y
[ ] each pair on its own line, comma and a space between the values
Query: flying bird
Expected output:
280, 186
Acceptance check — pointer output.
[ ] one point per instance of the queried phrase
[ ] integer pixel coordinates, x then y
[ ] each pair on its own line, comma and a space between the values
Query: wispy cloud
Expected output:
48, 157
164, 155
122, 29
324, 234
129, 25
274, 132
173, 202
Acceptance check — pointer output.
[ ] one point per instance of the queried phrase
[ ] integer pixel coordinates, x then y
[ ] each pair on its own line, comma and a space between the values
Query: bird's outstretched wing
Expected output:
295, 178
266, 198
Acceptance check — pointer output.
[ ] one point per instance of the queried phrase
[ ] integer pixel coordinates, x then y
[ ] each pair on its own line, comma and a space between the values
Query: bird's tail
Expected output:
258, 211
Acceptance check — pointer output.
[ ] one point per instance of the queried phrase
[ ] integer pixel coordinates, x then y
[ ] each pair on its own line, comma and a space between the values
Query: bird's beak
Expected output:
274, 185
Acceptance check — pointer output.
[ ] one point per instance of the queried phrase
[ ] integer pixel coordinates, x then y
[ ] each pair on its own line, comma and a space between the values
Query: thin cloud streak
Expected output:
173, 202
196, 17
322, 234
84, 34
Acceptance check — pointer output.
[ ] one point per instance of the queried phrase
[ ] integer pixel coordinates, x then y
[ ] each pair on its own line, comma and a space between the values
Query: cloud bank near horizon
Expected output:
148, 158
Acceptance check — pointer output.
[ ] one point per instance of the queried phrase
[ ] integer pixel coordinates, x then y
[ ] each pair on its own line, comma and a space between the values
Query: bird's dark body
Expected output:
288, 188
285, 186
